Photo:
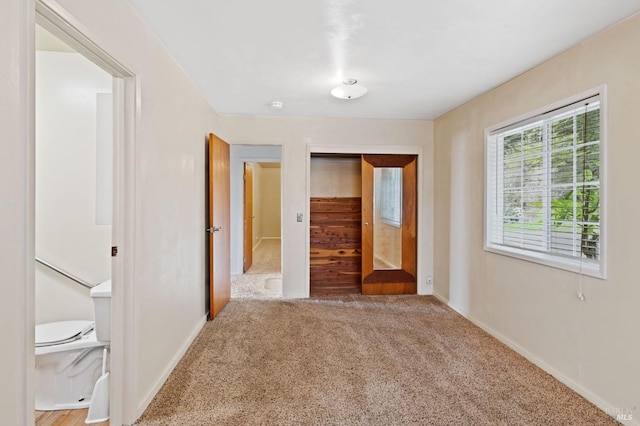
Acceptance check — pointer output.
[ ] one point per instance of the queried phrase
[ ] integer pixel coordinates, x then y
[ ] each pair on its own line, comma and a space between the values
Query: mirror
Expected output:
387, 218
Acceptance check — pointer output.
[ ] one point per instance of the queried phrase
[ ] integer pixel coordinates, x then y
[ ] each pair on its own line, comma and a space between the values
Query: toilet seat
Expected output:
57, 333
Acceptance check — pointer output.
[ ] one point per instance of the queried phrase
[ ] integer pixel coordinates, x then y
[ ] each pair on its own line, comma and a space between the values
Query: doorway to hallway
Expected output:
263, 280
256, 221
261, 215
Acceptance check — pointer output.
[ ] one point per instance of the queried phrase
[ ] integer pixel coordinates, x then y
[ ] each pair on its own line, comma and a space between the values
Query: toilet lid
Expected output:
55, 333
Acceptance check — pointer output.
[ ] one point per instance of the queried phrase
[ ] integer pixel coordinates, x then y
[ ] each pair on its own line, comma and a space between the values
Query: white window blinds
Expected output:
543, 185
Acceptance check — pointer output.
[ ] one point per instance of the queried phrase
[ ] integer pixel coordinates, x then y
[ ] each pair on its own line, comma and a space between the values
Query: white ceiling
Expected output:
418, 58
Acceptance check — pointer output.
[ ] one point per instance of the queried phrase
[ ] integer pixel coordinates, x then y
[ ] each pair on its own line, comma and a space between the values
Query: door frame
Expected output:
424, 220
123, 385
239, 156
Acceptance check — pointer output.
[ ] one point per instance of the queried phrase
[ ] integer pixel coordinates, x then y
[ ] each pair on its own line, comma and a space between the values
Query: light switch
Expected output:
299, 217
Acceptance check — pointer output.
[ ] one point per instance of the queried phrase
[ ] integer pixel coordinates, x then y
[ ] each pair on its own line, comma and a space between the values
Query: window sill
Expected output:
584, 267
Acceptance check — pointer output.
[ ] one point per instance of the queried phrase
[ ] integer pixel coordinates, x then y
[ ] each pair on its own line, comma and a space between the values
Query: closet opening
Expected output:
362, 224
335, 224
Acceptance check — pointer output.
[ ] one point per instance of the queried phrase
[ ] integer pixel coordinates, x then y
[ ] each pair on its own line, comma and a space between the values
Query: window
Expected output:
543, 187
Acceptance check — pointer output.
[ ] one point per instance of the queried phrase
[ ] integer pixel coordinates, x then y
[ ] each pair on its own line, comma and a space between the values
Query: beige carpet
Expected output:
358, 360
263, 280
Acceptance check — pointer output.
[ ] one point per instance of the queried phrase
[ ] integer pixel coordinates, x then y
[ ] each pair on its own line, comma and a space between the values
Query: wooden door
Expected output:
248, 218
395, 274
219, 225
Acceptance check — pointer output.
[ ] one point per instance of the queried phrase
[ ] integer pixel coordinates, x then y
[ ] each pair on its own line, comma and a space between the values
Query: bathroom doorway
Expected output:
84, 115
73, 208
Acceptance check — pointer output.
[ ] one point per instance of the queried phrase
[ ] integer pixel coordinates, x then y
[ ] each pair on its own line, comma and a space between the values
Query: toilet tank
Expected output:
101, 295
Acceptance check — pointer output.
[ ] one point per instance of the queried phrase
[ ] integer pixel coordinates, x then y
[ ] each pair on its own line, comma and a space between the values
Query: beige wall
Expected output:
271, 200
592, 345
172, 120
335, 177
266, 201
298, 136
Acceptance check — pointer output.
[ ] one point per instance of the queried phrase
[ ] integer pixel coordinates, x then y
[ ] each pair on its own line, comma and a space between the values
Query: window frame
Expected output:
582, 266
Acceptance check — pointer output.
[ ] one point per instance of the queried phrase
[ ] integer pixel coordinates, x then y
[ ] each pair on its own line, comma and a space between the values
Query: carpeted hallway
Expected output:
263, 280
358, 360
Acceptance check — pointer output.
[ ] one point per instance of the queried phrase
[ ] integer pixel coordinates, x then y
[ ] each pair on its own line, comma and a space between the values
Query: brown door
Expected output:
218, 229
248, 217
389, 224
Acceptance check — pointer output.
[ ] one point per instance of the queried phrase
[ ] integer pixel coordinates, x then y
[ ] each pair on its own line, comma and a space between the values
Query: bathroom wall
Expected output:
72, 233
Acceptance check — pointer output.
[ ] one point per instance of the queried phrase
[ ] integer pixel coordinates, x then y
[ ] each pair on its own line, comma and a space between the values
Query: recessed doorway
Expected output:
256, 222
262, 243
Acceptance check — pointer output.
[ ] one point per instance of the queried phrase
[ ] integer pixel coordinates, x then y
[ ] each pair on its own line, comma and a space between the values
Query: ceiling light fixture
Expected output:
349, 90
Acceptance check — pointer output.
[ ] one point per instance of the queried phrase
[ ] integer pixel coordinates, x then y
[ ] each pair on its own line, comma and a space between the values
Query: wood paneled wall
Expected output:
335, 245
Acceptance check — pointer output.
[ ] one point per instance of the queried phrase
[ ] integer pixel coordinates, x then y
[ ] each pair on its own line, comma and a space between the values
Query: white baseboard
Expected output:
587, 394
174, 361
425, 289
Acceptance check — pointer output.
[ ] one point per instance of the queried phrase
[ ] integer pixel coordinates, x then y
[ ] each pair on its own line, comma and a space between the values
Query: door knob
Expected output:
214, 229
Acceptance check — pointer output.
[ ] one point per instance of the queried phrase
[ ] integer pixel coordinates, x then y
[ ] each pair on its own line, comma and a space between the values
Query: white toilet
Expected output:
69, 356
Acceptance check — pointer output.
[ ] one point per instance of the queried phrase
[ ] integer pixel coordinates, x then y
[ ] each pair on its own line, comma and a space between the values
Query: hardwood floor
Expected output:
64, 418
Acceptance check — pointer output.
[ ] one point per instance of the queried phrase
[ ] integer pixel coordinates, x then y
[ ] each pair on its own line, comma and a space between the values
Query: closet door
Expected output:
389, 224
